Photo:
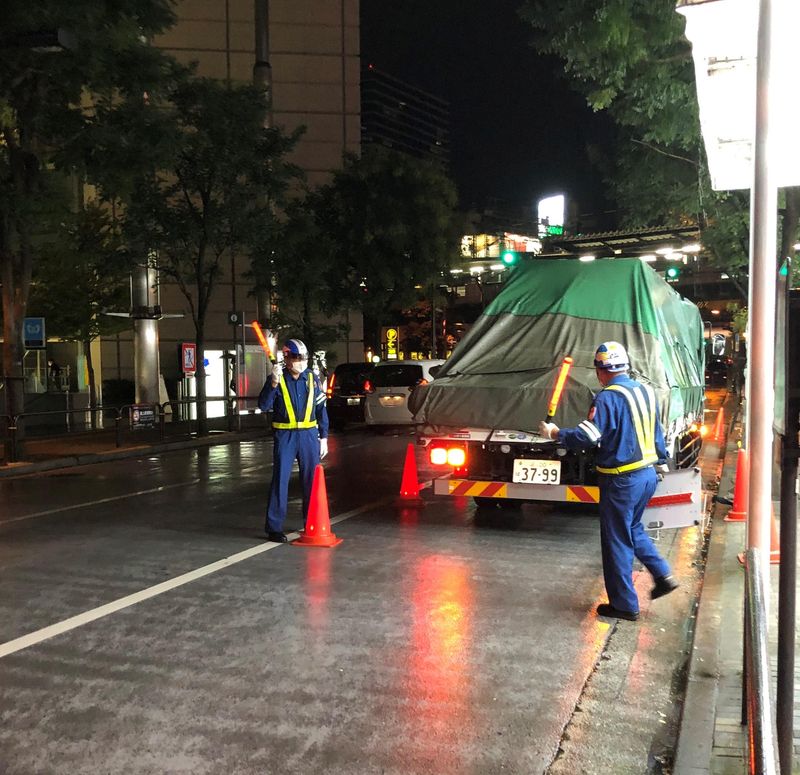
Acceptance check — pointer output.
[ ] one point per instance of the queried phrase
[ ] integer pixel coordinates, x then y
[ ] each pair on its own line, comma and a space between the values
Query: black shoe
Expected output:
277, 537
604, 609
663, 586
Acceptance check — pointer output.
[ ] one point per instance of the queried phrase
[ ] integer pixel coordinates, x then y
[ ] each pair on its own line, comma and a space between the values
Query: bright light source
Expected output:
724, 48
476, 269
693, 248
586, 258
650, 257
675, 256
438, 456
456, 457
456, 271
497, 267
724, 276
715, 312
665, 251
796, 246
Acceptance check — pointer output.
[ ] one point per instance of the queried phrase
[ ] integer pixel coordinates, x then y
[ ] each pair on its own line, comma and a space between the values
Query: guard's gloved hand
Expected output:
548, 429
277, 372
323, 448
662, 468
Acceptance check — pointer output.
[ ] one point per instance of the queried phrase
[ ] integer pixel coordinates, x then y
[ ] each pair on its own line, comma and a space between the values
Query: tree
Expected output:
632, 59
216, 184
45, 103
390, 227
80, 275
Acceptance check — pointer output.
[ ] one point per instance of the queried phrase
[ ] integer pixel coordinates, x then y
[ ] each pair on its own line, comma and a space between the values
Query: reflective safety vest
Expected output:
307, 421
643, 415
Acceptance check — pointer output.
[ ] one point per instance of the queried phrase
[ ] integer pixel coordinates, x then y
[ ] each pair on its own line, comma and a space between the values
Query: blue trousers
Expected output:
290, 445
623, 498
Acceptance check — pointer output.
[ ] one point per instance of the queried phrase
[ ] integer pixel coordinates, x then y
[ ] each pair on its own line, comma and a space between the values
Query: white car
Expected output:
388, 386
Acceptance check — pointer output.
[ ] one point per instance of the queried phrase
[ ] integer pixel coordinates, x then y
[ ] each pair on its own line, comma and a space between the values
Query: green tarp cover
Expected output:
501, 374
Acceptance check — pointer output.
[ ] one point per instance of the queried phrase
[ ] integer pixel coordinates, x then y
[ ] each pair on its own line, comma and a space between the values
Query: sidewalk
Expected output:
48, 453
712, 740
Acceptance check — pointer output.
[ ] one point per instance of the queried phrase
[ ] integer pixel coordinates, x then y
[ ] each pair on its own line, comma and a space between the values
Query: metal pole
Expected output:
760, 726
764, 210
262, 71
784, 708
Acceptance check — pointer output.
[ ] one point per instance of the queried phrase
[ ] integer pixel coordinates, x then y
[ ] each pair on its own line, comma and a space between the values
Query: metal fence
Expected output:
130, 423
761, 732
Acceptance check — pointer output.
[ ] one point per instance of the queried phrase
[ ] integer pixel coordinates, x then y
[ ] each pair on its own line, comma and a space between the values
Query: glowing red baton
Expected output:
566, 365
261, 338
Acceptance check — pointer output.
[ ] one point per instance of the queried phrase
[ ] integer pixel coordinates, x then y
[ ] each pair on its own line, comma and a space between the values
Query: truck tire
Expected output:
503, 504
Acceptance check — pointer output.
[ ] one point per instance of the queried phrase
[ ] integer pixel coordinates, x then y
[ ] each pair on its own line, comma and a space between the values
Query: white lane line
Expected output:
31, 639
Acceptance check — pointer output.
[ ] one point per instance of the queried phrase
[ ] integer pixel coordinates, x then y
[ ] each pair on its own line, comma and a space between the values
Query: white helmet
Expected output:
296, 348
611, 357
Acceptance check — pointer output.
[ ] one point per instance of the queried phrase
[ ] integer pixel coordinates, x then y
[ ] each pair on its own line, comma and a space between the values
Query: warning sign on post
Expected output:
189, 357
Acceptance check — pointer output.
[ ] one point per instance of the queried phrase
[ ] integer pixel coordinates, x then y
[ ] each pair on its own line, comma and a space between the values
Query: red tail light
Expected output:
368, 387
450, 455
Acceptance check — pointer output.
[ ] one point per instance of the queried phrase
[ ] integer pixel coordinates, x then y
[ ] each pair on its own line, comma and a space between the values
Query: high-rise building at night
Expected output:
400, 116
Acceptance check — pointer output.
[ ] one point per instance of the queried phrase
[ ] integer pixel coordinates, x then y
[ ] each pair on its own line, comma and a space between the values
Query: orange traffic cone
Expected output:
738, 512
774, 545
718, 425
318, 524
409, 487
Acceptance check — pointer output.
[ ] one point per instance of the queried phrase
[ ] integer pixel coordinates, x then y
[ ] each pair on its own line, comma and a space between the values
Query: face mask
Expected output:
298, 366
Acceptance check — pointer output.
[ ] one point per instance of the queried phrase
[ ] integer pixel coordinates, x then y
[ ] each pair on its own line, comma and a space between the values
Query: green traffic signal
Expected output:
673, 273
510, 257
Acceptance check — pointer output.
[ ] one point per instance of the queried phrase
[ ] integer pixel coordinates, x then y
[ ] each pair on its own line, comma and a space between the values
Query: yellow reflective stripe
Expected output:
306, 422
644, 424
648, 461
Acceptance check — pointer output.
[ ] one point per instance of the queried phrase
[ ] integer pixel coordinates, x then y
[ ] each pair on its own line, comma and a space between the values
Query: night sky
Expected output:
518, 131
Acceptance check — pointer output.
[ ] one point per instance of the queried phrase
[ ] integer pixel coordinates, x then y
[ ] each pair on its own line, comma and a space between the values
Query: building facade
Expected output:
313, 53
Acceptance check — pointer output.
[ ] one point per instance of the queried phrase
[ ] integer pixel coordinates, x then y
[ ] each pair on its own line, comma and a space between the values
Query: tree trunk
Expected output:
87, 346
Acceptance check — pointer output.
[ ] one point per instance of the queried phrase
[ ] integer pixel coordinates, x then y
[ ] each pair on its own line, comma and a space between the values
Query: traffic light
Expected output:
510, 257
673, 272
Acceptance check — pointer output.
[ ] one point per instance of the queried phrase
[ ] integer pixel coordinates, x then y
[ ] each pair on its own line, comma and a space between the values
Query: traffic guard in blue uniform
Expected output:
300, 426
623, 425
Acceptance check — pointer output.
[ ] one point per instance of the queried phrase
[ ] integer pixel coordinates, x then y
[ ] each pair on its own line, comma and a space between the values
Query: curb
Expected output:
694, 749
22, 469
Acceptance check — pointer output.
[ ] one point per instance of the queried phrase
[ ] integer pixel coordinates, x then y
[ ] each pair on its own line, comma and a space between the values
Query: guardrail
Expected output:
133, 417
761, 733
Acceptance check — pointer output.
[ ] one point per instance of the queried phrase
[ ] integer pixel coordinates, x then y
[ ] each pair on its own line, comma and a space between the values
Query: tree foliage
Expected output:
632, 59
46, 102
390, 226
211, 191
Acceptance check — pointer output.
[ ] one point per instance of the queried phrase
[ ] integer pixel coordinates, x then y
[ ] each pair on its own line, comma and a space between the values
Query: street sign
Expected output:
189, 357
143, 416
33, 336
236, 318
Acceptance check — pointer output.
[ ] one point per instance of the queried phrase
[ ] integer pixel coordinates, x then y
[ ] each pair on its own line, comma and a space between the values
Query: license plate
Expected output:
392, 400
536, 471
353, 401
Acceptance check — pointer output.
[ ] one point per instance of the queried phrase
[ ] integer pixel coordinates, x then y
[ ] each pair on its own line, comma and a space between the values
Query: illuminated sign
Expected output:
551, 211
391, 343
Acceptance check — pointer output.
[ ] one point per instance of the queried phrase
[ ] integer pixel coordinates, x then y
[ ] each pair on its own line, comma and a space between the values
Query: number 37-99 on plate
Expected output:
536, 471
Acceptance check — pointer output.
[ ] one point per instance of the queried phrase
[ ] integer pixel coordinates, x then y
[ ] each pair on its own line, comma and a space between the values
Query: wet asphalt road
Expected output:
432, 641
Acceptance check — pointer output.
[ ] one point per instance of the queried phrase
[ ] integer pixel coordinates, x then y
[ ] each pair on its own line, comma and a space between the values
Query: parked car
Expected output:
717, 371
346, 393
388, 387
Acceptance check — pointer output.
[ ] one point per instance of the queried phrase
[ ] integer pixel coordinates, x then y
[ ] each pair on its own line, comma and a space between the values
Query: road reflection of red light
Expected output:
408, 517
439, 676
317, 584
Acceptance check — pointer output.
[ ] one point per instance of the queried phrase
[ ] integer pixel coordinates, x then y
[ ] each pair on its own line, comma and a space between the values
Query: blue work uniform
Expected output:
623, 425
299, 421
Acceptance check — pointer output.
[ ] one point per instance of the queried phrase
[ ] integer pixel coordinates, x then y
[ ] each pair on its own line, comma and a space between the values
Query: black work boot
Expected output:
605, 609
277, 537
664, 586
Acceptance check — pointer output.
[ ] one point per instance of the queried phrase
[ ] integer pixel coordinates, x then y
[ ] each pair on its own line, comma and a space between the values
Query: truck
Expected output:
479, 417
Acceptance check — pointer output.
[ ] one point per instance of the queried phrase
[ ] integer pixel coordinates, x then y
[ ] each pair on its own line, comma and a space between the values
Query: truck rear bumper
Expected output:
677, 501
